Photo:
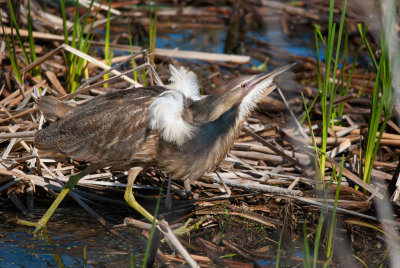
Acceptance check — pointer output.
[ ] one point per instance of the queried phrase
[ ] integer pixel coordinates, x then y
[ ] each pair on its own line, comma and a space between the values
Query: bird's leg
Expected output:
168, 199
162, 225
72, 181
228, 191
188, 187
130, 199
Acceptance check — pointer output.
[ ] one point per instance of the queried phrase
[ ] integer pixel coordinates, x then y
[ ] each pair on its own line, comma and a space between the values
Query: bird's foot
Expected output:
188, 226
39, 225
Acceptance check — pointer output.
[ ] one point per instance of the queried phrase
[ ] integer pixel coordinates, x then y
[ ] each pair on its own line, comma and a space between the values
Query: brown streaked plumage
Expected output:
167, 127
111, 130
106, 131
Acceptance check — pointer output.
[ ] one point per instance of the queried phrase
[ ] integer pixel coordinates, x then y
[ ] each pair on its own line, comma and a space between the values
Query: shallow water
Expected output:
214, 40
69, 231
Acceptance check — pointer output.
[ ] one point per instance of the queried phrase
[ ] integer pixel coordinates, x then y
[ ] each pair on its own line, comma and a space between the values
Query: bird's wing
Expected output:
108, 128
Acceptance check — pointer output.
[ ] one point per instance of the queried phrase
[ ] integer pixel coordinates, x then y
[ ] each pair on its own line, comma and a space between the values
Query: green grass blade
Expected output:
107, 54
64, 20
369, 49
14, 21
78, 64
89, 33
32, 51
382, 97
11, 52
306, 248
76, 25
132, 261
330, 23
309, 109
326, 110
278, 253
375, 115
152, 230
319, 229
332, 226
153, 14
133, 62
346, 90
318, 33
83, 26
335, 66
364, 264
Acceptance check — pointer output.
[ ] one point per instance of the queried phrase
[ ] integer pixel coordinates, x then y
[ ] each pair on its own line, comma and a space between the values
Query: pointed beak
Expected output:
266, 78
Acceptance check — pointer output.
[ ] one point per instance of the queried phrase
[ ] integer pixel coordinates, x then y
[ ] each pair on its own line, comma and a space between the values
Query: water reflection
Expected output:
69, 231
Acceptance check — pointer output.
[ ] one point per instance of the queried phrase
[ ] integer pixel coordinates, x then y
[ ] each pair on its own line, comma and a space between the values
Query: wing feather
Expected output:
106, 129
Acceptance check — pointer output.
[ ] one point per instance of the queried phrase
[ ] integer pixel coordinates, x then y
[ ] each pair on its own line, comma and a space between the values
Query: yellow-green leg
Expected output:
72, 181
165, 229
46, 217
130, 199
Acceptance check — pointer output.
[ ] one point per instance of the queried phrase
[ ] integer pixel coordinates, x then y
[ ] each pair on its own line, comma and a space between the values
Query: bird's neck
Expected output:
211, 107
209, 145
222, 131
216, 137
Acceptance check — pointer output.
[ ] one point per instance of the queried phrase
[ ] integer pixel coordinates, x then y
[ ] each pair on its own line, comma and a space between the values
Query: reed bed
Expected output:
312, 167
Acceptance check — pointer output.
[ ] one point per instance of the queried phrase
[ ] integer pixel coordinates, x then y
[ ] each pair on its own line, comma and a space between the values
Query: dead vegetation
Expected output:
276, 199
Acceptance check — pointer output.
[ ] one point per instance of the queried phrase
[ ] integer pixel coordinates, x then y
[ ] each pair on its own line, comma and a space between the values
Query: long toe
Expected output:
28, 223
38, 225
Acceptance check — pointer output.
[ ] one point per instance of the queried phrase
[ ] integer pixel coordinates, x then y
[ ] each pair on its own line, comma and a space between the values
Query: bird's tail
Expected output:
52, 108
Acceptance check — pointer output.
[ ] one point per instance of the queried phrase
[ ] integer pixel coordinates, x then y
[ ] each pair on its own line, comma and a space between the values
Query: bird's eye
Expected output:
243, 85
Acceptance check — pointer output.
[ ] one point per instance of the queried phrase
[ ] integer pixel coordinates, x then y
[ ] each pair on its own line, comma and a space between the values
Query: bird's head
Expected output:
244, 91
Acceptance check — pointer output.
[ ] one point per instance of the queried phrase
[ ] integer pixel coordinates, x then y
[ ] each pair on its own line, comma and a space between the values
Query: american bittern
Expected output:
170, 127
